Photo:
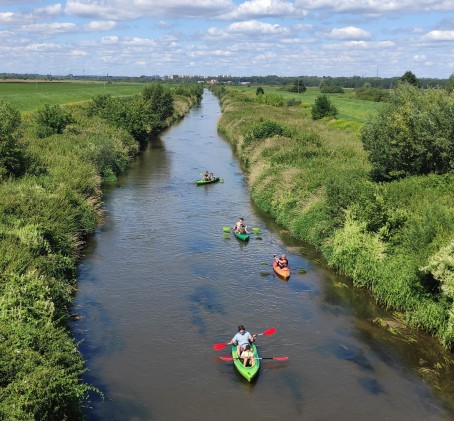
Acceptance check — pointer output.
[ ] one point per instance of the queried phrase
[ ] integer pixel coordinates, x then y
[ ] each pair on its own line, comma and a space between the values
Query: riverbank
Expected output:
45, 216
312, 177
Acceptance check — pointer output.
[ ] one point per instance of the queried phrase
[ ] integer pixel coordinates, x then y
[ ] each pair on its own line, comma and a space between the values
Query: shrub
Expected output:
372, 94
331, 89
323, 108
412, 134
52, 119
264, 130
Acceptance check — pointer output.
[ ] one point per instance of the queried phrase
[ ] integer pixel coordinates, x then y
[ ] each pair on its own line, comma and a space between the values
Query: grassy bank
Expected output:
45, 215
313, 178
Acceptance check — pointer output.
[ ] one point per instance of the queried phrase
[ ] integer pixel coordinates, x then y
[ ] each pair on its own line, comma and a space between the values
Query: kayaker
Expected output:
240, 227
241, 339
282, 261
206, 177
248, 356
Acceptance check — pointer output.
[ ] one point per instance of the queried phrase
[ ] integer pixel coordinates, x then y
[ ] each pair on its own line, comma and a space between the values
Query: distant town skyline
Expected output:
228, 37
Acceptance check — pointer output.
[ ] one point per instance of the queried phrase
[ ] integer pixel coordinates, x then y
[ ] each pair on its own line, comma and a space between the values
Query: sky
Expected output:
367, 38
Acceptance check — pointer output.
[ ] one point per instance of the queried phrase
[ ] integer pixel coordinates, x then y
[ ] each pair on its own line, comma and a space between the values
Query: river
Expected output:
160, 283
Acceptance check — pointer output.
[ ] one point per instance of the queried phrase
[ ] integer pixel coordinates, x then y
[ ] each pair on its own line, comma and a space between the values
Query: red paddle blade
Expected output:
226, 358
271, 331
280, 358
217, 347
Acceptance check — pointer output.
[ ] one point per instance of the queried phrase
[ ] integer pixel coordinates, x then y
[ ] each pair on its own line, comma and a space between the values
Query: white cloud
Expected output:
264, 8
42, 47
419, 58
133, 9
8, 18
349, 32
379, 7
52, 10
113, 39
253, 26
95, 25
78, 53
49, 28
440, 35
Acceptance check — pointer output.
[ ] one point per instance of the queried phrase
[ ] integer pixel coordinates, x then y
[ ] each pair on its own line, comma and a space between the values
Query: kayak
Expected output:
213, 180
242, 237
283, 273
247, 372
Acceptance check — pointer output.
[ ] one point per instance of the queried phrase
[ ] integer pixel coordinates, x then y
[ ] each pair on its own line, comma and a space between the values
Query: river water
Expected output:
160, 283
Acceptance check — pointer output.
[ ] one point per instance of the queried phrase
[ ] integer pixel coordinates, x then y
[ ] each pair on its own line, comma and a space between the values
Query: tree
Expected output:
298, 86
409, 77
259, 91
412, 134
450, 84
160, 101
323, 108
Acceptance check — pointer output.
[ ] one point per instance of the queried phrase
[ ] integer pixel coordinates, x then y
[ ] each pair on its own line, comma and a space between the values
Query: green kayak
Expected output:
242, 237
213, 180
247, 372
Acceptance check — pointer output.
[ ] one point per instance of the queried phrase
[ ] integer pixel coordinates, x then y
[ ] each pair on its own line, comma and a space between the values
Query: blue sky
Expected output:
228, 37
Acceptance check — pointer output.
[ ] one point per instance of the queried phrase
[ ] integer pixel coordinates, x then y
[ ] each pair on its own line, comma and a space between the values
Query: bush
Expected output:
412, 134
14, 160
372, 94
52, 119
265, 130
323, 108
331, 89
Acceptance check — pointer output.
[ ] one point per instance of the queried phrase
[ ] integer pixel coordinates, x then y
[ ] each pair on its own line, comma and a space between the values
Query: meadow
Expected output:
28, 96
350, 108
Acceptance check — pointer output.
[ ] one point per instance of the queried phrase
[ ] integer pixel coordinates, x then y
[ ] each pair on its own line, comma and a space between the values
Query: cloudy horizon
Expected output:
228, 37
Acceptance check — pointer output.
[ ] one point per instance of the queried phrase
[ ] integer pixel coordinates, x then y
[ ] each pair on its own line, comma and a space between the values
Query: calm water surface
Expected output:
160, 283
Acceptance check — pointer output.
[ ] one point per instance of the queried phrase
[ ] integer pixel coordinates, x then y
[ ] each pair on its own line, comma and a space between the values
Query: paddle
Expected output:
255, 230
267, 332
260, 358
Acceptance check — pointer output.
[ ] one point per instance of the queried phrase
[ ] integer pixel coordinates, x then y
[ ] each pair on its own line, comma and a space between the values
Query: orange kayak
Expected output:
283, 273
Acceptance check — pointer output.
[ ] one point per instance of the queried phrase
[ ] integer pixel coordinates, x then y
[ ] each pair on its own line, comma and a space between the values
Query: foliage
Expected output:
441, 266
140, 115
259, 91
264, 130
297, 86
271, 99
413, 134
368, 93
14, 161
323, 108
189, 90
331, 89
159, 100
450, 84
410, 78
52, 119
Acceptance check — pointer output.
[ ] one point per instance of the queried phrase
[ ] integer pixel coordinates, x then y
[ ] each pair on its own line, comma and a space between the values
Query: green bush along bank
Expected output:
46, 212
313, 177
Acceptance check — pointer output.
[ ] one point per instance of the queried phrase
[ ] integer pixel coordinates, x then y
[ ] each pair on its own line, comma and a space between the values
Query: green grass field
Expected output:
350, 109
29, 96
